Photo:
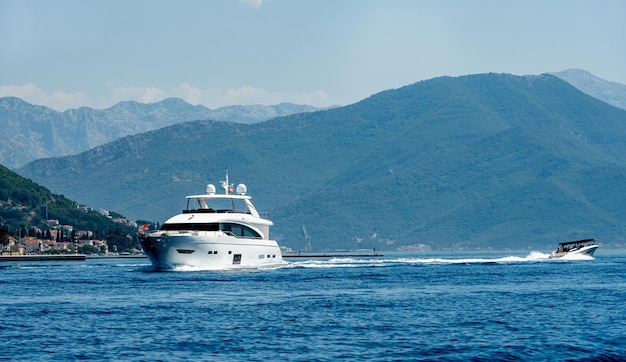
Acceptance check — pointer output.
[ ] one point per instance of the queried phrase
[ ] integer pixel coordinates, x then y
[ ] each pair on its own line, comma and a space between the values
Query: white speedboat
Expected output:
585, 247
215, 231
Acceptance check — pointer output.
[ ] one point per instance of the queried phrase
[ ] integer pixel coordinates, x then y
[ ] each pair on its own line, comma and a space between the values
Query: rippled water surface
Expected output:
398, 307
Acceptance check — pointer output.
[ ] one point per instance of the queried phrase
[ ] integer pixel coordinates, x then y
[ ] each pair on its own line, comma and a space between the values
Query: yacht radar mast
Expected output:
228, 187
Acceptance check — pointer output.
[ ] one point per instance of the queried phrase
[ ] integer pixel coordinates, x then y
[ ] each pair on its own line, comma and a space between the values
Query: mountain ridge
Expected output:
612, 93
33, 132
487, 160
40, 132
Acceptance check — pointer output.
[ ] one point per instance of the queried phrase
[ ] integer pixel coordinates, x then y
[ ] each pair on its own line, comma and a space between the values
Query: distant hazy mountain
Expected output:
31, 132
609, 92
489, 160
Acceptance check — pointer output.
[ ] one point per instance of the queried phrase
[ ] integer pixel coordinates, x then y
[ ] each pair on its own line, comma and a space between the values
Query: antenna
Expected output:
228, 187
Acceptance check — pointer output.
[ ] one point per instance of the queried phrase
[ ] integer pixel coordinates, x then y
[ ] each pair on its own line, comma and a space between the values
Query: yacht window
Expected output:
213, 226
185, 251
239, 230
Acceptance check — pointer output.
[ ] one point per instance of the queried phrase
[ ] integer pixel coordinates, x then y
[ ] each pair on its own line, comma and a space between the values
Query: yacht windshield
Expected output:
217, 205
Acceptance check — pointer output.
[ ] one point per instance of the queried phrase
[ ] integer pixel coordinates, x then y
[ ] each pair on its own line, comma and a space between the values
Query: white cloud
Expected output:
59, 100
140, 94
218, 97
210, 97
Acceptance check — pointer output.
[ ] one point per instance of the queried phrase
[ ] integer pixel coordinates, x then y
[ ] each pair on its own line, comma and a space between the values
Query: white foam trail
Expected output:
577, 257
186, 268
350, 262
537, 255
339, 262
534, 256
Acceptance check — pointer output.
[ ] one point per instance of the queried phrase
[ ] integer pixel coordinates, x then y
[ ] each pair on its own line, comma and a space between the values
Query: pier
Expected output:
60, 257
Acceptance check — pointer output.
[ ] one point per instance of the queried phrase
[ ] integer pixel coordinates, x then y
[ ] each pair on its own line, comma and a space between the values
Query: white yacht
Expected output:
215, 231
584, 246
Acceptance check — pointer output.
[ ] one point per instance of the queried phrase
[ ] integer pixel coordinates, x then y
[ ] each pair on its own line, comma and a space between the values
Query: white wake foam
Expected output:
186, 268
352, 262
534, 256
577, 257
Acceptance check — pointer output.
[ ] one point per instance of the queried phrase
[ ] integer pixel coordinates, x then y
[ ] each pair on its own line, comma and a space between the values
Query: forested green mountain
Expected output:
24, 204
489, 160
31, 132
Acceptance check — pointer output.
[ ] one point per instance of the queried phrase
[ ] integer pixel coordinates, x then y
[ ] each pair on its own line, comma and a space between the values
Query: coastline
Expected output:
72, 257
132, 256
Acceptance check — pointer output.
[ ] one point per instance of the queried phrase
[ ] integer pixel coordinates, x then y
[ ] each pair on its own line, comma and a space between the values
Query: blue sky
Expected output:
71, 53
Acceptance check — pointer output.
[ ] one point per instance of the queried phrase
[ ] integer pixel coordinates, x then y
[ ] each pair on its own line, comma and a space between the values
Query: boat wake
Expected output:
534, 256
576, 256
352, 262
186, 268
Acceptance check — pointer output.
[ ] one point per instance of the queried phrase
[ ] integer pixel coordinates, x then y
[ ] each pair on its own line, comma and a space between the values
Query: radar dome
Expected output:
210, 189
241, 189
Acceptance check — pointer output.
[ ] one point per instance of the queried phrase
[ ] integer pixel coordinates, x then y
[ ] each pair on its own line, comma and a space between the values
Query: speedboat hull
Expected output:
209, 250
586, 250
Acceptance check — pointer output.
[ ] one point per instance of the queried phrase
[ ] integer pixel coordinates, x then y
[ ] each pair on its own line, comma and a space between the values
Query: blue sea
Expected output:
400, 307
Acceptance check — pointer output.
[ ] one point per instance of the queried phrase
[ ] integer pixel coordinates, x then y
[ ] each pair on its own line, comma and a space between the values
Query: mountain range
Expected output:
486, 160
32, 132
610, 92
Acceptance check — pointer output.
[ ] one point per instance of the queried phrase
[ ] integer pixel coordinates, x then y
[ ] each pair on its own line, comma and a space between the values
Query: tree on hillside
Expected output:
4, 236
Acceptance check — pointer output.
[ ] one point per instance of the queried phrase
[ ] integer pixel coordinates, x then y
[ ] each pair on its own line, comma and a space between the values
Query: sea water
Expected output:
446, 306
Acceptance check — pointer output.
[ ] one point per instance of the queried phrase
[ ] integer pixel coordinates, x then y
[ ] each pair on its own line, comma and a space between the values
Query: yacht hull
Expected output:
209, 251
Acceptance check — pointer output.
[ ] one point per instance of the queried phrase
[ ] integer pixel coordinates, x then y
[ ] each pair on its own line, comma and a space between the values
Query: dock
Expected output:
131, 256
60, 257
